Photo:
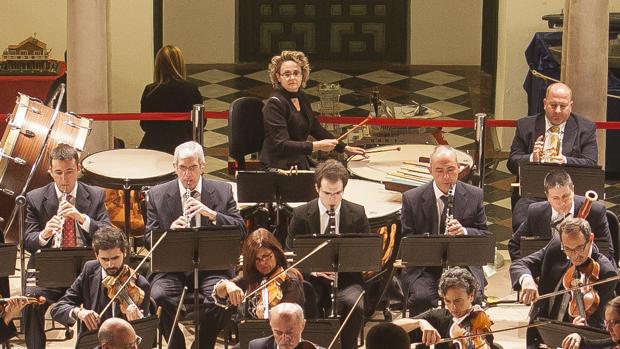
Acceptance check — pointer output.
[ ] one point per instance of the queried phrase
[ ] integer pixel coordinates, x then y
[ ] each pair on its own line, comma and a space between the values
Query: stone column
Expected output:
584, 60
87, 65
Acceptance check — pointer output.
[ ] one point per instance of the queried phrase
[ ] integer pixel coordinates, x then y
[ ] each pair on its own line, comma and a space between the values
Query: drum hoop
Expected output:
12, 134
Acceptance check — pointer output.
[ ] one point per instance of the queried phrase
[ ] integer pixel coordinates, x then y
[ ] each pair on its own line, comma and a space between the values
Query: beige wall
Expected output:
203, 29
446, 32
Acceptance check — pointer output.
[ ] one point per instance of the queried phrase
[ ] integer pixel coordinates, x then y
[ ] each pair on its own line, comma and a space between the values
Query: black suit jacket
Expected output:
549, 264
538, 223
307, 221
270, 343
88, 291
419, 216
42, 205
287, 130
7, 331
578, 143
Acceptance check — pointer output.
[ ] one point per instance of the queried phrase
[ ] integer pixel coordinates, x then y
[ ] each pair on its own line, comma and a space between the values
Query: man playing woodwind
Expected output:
82, 212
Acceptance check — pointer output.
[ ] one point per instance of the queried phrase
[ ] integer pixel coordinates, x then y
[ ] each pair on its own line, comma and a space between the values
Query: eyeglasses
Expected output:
264, 258
576, 250
331, 195
611, 323
294, 74
185, 169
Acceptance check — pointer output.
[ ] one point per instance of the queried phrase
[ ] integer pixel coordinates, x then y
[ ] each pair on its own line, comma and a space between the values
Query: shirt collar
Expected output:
438, 192
549, 125
197, 188
72, 193
323, 209
555, 214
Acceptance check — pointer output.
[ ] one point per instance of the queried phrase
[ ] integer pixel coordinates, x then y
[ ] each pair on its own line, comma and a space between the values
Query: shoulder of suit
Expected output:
537, 206
164, 186
39, 191
91, 188
418, 191
306, 206
90, 265
353, 205
582, 120
472, 188
216, 183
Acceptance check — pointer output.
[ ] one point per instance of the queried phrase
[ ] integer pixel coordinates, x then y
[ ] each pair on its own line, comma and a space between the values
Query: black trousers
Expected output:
34, 315
345, 298
166, 292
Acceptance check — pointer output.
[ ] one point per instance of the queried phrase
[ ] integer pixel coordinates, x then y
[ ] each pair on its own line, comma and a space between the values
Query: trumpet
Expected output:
449, 208
57, 242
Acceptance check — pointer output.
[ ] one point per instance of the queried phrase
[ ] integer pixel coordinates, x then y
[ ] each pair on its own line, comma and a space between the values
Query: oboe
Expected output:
186, 196
57, 243
449, 208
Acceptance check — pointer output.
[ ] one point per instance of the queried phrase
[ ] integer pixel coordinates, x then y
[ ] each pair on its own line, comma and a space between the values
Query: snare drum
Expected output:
24, 139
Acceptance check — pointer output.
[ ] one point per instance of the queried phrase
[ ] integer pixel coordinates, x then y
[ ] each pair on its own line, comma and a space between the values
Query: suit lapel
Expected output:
345, 217
429, 206
173, 200
460, 201
314, 217
570, 134
539, 128
96, 290
50, 201
545, 223
207, 197
82, 200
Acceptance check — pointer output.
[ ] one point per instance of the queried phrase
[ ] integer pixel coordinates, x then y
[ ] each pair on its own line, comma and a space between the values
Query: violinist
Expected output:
99, 281
263, 259
612, 324
10, 308
457, 288
572, 255
287, 324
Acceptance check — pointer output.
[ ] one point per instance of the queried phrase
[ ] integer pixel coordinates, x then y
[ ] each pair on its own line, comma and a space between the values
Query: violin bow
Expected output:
557, 293
346, 319
177, 314
315, 250
135, 271
449, 340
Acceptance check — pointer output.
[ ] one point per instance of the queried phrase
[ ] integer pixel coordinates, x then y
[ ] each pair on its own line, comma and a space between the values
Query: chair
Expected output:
245, 129
614, 229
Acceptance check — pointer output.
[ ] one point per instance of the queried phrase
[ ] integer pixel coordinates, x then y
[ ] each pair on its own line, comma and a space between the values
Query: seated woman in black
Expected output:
288, 118
263, 258
169, 93
612, 323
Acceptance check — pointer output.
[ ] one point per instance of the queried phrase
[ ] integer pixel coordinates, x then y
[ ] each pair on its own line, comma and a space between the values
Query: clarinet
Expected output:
334, 284
186, 196
57, 242
449, 208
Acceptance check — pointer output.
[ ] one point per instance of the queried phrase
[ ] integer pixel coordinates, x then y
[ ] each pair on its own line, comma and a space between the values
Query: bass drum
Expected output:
25, 152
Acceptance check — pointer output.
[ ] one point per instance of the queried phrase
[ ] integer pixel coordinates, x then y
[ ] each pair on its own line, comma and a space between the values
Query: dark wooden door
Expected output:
360, 30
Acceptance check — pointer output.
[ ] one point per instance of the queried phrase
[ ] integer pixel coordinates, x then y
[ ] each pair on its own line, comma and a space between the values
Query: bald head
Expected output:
444, 167
558, 103
561, 88
116, 333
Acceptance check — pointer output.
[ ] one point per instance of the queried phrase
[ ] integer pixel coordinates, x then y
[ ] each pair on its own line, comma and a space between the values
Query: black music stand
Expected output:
555, 331
344, 253
145, 328
318, 331
59, 267
8, 252
531, 244
532, 178
196, 249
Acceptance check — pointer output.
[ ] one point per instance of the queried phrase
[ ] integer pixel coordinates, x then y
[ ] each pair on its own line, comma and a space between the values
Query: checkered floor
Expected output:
457, 92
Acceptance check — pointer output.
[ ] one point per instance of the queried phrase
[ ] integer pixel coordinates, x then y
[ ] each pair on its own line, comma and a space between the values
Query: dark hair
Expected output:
332, 170
109, 237
64, 152
387, 335
260, 237
574, 225
614, 304
459, 278
558, 178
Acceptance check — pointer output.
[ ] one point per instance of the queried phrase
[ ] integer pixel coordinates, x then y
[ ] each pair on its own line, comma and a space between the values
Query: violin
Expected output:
127, 296
477, 322
584, 300
274, 289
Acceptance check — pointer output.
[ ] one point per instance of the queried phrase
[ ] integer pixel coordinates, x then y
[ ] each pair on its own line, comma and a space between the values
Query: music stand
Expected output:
531, 244
318, 331
555, 331
145, 328
197, 249
532, 178
8, 252
345, 253
59, 267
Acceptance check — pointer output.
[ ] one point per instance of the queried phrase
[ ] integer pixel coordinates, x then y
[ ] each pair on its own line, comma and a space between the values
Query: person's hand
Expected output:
179, 223
194, 207
13, 307
134, 313
560, 159
539, 145
455, 228
260, 311
52, 225
572, 341
330, 275
90, 318
579, 321
66, 209
324, 145
430, 335
235, 294
355, 151
529, 290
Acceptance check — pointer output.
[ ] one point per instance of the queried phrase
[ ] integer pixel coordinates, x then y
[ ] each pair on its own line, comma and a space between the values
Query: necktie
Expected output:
68, 230
554, 129
442, 219
330, 229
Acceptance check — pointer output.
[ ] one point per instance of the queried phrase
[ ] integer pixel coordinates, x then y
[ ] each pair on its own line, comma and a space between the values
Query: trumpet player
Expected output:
424, 211
570, 139
76, 218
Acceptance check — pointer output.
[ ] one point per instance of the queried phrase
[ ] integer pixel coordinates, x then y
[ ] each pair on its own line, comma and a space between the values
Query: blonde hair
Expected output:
169, 65
295, 56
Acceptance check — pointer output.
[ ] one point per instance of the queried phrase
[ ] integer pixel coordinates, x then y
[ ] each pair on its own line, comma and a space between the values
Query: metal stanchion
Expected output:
198, 123
20, 201
480, 136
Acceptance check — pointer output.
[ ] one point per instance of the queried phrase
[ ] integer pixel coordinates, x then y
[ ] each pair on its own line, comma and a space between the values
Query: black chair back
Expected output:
245, 128
614, 229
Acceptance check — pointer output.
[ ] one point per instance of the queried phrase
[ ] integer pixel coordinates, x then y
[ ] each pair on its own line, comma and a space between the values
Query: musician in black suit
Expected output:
12, 309
543, 218
330, 179
287, 324
424, 212
577, 137
210, 203
574, 247
88, 296
80, 214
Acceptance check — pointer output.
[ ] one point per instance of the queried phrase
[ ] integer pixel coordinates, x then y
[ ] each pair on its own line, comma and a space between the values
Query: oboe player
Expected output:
82, 212
424, 211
